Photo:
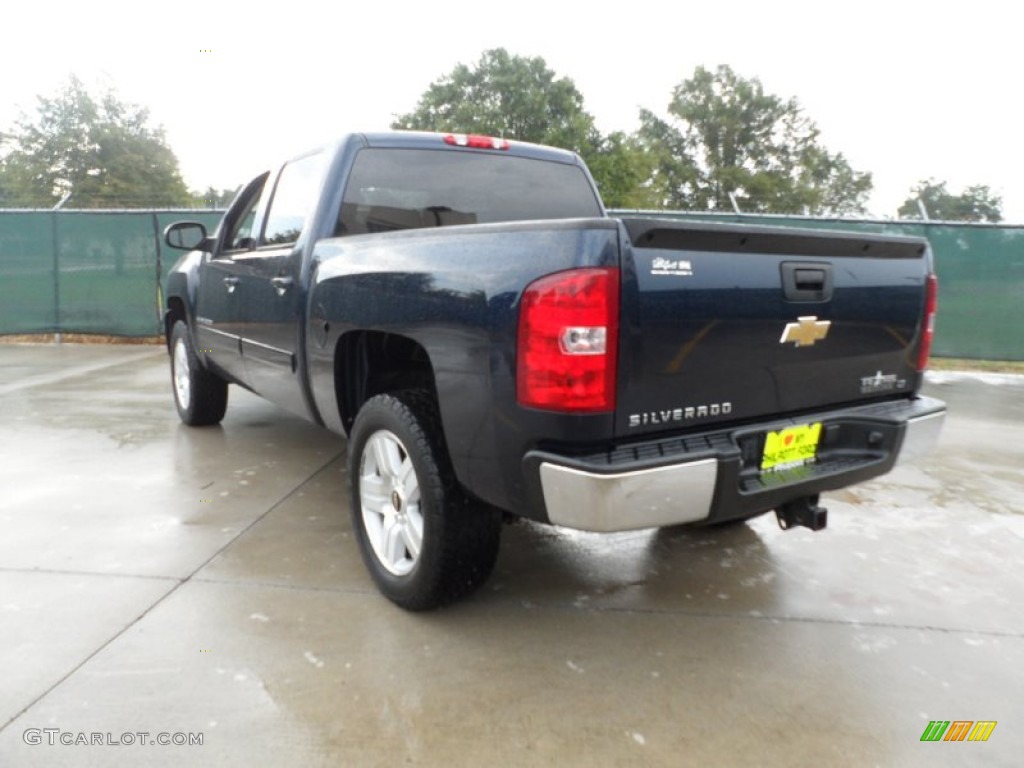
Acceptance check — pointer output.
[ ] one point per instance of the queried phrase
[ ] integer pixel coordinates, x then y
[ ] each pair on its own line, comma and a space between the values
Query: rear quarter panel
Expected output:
455, 291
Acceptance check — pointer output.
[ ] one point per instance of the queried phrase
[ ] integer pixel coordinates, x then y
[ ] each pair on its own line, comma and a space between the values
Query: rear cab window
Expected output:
392, 189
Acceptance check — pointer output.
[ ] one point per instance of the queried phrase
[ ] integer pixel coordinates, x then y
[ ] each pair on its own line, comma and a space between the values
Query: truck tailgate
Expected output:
734, 323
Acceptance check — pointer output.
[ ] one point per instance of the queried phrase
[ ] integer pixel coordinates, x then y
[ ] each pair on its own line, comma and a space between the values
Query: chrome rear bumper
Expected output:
645, 498
621, 498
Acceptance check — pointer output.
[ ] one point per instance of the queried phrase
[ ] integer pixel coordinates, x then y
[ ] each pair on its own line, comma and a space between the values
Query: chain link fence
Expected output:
86, 271
101, 272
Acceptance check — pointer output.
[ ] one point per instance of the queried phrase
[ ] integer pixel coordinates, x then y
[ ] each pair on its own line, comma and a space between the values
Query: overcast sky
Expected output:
906, 90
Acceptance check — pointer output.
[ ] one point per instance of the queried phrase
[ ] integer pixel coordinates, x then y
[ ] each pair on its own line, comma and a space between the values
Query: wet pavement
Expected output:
167, 581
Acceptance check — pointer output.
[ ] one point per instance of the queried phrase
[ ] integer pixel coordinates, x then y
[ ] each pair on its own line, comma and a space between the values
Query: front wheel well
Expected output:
175, 312
370, 363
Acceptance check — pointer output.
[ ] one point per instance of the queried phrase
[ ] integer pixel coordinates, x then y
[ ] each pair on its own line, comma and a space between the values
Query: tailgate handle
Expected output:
810, 279
806, 282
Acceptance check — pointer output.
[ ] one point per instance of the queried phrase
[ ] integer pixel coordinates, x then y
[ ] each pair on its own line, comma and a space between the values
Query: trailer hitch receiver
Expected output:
804, 511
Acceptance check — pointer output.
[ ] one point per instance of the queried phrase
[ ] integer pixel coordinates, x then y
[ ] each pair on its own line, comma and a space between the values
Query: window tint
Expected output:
294, 196
410, 188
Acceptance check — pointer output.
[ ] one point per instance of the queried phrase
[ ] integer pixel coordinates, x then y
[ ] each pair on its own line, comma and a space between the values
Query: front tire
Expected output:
200, 396
424, 542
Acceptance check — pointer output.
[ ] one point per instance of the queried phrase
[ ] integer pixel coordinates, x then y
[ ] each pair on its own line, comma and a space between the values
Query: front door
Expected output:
218, 327
220, 300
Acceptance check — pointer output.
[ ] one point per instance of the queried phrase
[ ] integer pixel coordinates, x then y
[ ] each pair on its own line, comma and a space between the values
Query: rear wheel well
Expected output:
369, 363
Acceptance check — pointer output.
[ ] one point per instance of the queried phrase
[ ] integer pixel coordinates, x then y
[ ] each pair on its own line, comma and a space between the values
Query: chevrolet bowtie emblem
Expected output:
805, 331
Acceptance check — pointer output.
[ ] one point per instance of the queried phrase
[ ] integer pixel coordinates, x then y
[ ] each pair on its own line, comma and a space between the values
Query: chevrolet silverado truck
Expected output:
491, 342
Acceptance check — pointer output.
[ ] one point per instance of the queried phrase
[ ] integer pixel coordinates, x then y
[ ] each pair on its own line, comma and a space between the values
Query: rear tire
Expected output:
424, 542
200, 396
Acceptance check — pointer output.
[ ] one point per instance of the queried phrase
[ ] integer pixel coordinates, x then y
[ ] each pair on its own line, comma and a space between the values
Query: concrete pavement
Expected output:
171, 581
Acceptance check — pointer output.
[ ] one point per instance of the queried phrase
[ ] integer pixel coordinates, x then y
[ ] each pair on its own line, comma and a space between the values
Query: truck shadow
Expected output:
723, 569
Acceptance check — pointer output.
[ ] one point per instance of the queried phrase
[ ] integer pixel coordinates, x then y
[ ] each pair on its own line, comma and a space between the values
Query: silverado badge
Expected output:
805, 331
679, 414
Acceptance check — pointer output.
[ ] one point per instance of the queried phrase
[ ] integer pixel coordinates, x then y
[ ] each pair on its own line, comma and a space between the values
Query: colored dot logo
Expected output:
205, 651
206, 50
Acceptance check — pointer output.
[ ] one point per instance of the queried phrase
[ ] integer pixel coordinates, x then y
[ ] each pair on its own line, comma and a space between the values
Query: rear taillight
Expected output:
567, 346
473, 141
931, 304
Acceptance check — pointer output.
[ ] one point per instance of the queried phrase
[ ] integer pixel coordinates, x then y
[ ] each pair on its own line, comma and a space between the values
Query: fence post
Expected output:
56, 279
159, 274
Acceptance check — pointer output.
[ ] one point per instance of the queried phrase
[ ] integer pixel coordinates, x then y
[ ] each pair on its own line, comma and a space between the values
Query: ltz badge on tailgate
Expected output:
805, 331
678, 267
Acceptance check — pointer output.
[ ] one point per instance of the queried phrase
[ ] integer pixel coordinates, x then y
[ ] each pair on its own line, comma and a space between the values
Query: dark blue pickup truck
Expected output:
490, 341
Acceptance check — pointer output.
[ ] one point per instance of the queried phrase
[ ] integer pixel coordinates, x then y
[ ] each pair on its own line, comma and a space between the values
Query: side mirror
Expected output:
185, 235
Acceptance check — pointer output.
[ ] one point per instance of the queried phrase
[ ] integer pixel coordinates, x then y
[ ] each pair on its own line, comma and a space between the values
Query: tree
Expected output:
976, 203
624, 173
101, 152
213, 198
726, 136
521, 98
509, 96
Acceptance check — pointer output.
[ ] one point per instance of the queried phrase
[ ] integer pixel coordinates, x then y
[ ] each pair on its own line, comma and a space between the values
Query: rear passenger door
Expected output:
274, 299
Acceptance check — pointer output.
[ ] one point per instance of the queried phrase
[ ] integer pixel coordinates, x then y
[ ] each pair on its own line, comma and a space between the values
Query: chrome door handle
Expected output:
281, 284
231, 283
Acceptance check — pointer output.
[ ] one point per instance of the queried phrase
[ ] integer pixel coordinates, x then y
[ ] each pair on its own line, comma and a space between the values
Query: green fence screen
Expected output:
980, 269
86, 271
101, 272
